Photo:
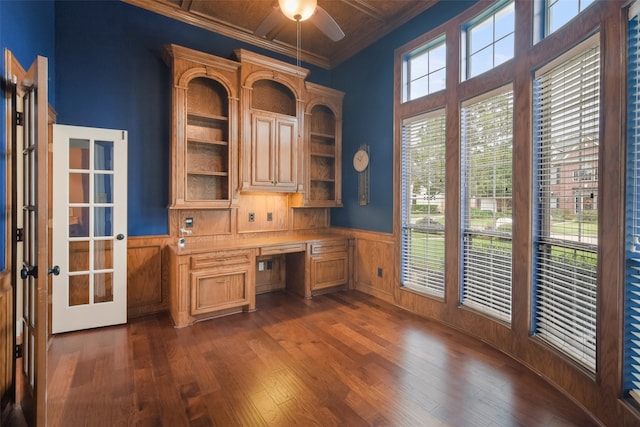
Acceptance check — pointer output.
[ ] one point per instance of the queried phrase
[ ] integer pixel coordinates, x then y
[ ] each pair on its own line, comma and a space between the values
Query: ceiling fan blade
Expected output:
272, 21
326, 24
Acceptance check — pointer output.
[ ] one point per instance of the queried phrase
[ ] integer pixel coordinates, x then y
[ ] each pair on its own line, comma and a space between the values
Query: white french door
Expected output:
89, 227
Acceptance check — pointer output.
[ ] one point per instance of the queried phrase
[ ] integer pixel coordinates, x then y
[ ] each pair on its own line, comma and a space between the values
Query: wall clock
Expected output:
361, 160
361, 165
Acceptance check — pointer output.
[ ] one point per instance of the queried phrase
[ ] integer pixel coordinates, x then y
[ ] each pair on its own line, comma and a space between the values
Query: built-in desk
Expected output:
215, 279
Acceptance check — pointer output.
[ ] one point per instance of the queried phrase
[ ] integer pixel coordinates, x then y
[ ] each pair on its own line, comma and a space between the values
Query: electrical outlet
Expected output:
252, 217
269, 216
260, 266
379, 271
188, 222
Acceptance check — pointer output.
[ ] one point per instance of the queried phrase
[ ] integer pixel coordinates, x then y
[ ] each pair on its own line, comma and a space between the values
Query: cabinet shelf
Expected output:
322, 135
207, 173
206, 116
325, 155
207, 141
323, 179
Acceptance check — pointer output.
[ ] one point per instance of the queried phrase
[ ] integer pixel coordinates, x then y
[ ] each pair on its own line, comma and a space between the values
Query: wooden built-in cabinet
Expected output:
210, 284
329, 264
221, 280
272, 108
204, 129
250, 141
252, 125
323, 145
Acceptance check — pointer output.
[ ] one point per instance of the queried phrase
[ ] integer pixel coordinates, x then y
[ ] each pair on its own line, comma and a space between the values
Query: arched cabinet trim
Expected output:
229, 86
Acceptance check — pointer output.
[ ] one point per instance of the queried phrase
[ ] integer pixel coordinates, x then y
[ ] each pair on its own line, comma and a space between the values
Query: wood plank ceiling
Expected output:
363, 22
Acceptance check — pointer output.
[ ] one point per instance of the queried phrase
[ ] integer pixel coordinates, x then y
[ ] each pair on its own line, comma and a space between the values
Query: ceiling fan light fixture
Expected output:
298, 10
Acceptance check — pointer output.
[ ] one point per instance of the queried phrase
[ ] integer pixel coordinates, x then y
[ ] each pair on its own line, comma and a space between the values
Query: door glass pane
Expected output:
103, 218
79, 222
103, 190
103, 287
79, 256
78, 188
103, 254
103, 155
78, 153
78, 290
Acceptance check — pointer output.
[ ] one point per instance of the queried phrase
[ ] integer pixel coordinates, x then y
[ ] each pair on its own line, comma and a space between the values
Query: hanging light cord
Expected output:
298, 41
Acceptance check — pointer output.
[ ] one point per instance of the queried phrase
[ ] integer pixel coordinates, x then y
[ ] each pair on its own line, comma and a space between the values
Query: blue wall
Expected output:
367, 79
106, 70
27, 30
111, 74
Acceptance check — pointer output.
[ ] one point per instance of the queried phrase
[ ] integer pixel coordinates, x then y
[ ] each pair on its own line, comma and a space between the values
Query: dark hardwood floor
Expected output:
343, 359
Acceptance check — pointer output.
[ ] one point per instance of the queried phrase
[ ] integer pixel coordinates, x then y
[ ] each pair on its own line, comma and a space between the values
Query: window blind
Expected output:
487, 146
632, 274
423, 197
567, 97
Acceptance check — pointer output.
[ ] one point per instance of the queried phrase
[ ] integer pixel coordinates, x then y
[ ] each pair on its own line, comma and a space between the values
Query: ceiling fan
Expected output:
298, 11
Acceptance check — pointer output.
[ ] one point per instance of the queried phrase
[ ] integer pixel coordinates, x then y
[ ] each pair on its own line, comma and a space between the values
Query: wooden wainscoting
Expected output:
147, 275
373, 262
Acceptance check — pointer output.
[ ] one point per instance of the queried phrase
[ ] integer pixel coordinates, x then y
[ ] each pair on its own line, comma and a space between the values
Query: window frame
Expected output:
566, 326
607, 18
487, 290
423, 49
433, 282
542, 18
631, 327
466, 34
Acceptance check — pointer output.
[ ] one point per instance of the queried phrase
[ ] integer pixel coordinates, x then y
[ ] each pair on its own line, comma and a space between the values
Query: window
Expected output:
632, 251
567, 115
559, 12
489, 40
423, 197
487, 142
425, 70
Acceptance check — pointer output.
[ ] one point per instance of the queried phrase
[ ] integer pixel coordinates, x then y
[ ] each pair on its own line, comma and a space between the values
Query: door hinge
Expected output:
19, 118
19, 235
18, 352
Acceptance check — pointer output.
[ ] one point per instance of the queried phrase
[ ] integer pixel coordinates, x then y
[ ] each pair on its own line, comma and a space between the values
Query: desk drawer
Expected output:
220, 259
283, 249
328, 247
